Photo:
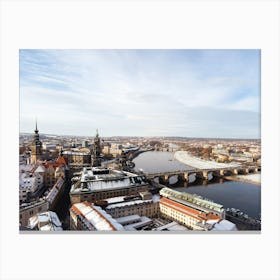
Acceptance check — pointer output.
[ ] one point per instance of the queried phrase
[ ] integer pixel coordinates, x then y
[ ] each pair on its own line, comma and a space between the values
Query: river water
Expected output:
241, 195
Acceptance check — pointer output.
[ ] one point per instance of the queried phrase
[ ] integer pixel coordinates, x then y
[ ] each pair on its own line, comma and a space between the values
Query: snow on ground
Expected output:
251, 177
195, 162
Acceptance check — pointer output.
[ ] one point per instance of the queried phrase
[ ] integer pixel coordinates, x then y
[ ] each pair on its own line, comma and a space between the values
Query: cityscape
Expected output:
184, 161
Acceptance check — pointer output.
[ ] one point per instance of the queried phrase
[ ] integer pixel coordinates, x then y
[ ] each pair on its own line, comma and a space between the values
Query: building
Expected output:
45, 221
36, 147
30, 182
27, 210
142, 205
52, 170
193, 211
79, 159
98, 183
85, 216
55, 193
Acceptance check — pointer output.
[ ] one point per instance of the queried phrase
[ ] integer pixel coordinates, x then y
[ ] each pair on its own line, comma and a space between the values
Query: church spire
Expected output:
36, 129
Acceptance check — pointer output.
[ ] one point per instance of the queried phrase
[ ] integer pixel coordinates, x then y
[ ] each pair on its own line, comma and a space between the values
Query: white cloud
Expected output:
144, 91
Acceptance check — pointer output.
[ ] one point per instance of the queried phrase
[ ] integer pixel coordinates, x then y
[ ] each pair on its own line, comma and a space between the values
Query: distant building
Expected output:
85, 216
85, 144
80, 159
96, 159
98, 183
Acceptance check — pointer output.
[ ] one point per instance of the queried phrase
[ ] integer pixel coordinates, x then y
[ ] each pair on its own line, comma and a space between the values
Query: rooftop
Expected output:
194, 199
96, 217
102, 178
46, 221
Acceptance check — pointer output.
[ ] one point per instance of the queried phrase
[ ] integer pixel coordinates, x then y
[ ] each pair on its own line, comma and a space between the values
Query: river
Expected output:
241, 195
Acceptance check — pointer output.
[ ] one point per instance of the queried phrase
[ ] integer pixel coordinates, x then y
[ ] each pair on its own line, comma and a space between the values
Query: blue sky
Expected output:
191, 93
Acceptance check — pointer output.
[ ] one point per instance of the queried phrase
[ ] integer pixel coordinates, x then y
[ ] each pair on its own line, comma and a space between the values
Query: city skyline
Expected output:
184, 93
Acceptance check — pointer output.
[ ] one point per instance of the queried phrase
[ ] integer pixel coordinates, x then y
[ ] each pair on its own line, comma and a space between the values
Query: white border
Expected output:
190, 24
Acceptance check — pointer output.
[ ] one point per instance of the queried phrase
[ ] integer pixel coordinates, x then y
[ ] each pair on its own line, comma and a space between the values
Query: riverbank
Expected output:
195, 162
250, 178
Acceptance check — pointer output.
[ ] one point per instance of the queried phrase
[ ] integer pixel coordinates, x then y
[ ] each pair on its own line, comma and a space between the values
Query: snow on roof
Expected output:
128, 203
45, 221
128, 219
100, 178
156, 198
97, 217
26, 167
40, 168
115, 199
224, 225
144, 222
55, 190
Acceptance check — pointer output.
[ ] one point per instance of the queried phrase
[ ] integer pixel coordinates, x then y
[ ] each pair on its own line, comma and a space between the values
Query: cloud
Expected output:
140, 92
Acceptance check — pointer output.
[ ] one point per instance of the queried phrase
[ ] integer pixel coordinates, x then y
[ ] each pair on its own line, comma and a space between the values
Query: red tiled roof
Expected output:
188, 210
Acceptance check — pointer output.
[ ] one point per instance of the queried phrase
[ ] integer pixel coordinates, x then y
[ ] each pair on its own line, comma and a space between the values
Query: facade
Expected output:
193, 211
51, 171
55, 193
30, 182
185, 215
121, 206
98, 183
36, 148
27, 210
77, 158
194, 201
84, 216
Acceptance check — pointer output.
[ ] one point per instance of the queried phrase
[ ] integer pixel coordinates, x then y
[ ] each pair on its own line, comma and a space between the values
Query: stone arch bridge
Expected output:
183, 175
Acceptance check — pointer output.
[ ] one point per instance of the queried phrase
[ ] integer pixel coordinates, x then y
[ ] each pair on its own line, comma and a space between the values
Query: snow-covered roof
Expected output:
46, 221
128, 219
26, 167
55, 190
224, 225
144, 222
115, 199
96, 217
40, 169
128, 203
99, 179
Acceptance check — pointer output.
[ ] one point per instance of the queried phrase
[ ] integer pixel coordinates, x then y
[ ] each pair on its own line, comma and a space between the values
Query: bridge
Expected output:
183, 175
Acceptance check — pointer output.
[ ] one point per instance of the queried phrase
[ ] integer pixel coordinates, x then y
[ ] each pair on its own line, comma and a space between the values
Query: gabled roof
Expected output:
40, 169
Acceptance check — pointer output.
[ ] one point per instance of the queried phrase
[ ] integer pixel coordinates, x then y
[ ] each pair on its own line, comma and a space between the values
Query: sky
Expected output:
186, 93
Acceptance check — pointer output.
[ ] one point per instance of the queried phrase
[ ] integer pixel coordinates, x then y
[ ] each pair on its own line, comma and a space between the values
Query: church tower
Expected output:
36, 148
96, 151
